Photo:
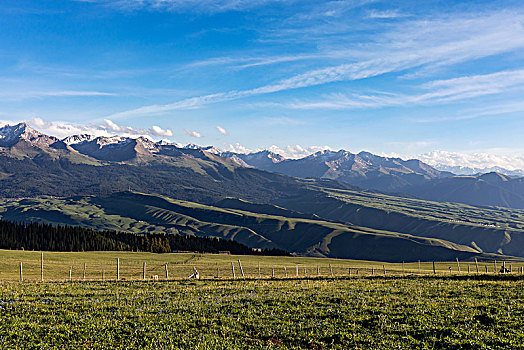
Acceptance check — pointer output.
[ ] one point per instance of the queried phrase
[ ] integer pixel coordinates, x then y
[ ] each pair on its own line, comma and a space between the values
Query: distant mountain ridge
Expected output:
475, 163
464, 170
410, 177
364, 169
24, 150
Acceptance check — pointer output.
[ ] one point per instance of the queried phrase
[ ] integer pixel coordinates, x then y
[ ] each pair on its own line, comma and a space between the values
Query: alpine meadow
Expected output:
261, 174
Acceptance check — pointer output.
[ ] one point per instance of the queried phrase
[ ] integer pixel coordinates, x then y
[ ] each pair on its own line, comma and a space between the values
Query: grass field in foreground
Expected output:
457, 312
180, 266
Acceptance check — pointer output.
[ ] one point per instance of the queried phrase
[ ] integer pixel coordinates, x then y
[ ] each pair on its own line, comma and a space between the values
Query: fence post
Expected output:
285, 271
477, 265
297, 271
259, 269
458, 265
233, 269
42, 267
144, 271
503, 267
272, 272
218, 271
468, 269
84, 274
103, 275
486, 266
167, 272
318, 271
241, 269
118, 269
21, 273
434, 270
349, 271
495, 262
305, 271
330, 270
372, 271
70, 273
384, 266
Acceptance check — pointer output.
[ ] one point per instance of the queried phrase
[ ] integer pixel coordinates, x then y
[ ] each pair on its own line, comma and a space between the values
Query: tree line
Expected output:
38, 236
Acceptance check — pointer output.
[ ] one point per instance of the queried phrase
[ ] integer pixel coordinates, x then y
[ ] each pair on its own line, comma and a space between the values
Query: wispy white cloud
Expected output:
193, 133
476, 161
243, 62
108, 128
22, 94
204, 6
386, 14
442, 91
415, 44
297, 151
158, 131
62, 129
238, 148
279, 121
472, 113
222, 130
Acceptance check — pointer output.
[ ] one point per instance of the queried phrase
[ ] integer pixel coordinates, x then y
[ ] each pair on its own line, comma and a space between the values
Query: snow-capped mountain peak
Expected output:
11, 134
77, 139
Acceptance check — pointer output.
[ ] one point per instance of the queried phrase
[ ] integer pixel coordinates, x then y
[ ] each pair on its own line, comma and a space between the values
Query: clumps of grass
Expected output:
443, 313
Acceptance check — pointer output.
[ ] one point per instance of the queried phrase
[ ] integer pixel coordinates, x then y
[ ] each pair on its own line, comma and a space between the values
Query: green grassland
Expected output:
356, 313
367, 309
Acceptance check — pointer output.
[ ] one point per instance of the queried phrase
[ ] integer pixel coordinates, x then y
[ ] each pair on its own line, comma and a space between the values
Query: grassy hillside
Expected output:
137, 212
397, 310
491, 229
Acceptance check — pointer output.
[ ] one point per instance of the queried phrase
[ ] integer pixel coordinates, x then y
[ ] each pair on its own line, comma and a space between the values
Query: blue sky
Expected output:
390, 77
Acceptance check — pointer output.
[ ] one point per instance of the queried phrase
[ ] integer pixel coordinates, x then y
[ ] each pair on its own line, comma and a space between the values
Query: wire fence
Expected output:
125, 270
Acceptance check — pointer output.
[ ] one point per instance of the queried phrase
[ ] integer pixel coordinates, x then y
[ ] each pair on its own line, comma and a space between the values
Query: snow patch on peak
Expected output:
329, 155
103, 141
77, 139
147, 143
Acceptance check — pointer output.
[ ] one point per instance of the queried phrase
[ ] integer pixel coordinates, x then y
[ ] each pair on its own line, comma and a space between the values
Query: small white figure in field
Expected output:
195, 274
154, 277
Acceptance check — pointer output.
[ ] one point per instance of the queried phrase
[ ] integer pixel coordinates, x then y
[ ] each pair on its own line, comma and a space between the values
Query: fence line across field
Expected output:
96, 271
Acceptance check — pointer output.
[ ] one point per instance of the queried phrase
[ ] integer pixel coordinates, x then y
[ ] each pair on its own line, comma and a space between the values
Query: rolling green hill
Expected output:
491, 229
138, 212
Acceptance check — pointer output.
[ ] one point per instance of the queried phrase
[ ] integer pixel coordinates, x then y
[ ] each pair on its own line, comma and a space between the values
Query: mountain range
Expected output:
333, 204
412, 178
404, 177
